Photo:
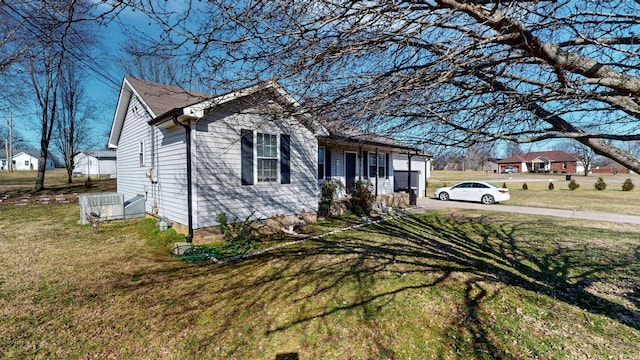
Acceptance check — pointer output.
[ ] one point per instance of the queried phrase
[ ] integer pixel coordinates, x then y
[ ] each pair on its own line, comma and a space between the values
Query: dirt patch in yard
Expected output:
28, 199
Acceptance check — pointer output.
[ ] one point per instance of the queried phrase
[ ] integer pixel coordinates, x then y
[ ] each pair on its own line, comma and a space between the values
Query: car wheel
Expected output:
443, 196
488, 199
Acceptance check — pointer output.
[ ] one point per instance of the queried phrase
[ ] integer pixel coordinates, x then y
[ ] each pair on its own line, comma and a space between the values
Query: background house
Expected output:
95, 163
608, 166
491, 165
554, 161
28, 160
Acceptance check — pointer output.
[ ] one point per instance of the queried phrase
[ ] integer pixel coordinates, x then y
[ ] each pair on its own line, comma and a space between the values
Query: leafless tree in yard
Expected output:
11, 46
513, 148
72, 121
477, 155
53, 33
159, 68
444, 72
586, 154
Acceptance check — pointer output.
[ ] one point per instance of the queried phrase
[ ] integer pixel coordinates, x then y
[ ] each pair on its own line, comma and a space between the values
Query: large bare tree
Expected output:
450, 72
152, 66
54, 32
73, 117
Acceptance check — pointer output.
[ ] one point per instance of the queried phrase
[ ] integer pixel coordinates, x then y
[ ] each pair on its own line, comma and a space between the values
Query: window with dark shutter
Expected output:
365, 165
321, 163
387, 166
285, 157
327, 173
247, 156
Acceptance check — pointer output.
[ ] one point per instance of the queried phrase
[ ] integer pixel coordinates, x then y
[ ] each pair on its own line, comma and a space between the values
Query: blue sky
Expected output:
104, 78
102, 82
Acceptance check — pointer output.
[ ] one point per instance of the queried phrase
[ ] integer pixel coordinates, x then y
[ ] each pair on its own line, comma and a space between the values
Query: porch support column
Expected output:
412, 197
377, 168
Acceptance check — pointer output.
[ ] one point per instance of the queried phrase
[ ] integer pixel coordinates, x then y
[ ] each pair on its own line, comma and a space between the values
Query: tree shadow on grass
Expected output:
307, 281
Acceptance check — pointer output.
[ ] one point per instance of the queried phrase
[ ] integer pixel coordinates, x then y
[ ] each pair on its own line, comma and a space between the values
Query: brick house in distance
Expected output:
552, 161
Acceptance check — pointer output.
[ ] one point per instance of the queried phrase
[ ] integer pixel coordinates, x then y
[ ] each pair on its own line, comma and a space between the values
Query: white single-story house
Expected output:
28, 160
3, 164
95, 163
252, 152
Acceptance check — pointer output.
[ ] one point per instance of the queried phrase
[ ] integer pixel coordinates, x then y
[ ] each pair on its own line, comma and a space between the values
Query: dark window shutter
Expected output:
247, 156
365, 164
387, 166
327, 163
285, 157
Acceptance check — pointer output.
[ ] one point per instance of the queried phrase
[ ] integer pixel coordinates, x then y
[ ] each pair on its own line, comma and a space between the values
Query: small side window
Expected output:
141, 152
321, 163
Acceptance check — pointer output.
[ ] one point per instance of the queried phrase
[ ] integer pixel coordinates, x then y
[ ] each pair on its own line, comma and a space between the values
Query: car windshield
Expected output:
493, 185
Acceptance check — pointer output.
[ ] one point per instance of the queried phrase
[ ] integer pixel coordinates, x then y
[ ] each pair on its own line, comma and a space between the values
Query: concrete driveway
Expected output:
426, 204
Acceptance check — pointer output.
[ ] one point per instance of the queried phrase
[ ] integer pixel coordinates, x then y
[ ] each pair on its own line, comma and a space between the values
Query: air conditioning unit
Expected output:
101, 207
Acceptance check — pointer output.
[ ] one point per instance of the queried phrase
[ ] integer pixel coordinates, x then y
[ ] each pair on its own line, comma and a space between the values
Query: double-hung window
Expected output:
320, 163
377, 165
263, 156
267, 152
382, 161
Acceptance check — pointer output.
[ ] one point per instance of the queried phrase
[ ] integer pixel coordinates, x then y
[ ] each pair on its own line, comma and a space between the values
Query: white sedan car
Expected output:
478, 191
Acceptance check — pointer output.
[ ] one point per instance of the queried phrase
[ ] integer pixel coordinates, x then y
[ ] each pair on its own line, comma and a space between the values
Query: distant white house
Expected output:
95, 163
3, 164
28, 160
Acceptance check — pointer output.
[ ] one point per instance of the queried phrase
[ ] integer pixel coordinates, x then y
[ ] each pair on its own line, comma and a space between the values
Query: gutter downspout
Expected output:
187, 129
426, 179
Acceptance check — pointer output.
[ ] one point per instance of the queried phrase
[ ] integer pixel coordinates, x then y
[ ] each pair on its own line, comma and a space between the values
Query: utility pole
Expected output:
10, 152
6, 149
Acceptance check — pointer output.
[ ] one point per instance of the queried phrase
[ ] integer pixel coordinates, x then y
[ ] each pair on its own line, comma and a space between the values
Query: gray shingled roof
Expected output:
101, 154
163, 98
553, 155
348, 133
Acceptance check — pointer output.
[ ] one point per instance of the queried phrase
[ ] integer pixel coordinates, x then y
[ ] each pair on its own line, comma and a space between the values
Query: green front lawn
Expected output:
445, 285
585, 198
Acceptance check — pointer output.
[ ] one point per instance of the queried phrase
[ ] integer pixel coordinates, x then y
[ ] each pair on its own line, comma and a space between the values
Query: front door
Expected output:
350, 171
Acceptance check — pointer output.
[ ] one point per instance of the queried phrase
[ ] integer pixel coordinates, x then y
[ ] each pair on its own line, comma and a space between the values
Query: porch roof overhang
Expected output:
382, 146
539, 160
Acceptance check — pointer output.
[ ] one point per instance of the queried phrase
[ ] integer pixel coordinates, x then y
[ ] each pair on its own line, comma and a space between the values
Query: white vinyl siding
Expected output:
85, 165
141, 152
132, 179
219, 162
170, 189
419, 164
162, 179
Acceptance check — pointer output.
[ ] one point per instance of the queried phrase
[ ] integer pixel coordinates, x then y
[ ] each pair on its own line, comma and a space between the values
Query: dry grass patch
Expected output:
446, 285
